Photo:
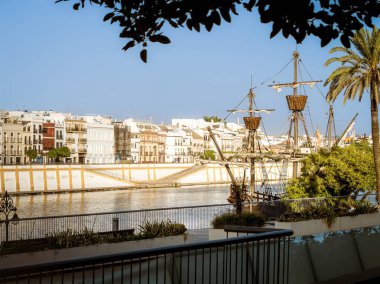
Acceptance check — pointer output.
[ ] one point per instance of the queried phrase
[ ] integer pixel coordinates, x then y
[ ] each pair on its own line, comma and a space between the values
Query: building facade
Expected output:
100, 142
13, 147
134, 139
179, 147
76, 139
149, 143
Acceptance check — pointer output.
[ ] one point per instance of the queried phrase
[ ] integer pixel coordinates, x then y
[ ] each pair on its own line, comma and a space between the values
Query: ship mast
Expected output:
252, 123
296, 104
251, 141
295, 114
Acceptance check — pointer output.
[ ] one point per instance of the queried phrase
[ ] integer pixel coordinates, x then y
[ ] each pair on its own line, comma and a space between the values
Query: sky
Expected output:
55, 58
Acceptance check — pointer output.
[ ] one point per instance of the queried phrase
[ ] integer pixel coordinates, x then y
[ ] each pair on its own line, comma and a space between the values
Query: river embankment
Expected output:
35, 179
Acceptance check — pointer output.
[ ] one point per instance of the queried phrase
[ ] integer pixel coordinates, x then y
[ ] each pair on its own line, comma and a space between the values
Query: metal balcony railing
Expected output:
75, 129
13, 153
260, 257
12, 140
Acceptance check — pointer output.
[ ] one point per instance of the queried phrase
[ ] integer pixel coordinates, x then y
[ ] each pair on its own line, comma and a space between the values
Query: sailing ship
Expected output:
254, 156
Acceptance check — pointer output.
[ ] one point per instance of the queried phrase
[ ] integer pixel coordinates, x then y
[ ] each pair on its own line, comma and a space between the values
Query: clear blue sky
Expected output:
52, 57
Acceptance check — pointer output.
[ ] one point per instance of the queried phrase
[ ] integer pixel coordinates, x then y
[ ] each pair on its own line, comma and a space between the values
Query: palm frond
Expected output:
359, 67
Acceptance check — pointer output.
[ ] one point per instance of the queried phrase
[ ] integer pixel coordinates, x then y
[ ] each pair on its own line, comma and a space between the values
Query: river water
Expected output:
117, 200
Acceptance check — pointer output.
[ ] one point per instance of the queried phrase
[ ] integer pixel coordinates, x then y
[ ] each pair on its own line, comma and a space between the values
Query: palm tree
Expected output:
358, 73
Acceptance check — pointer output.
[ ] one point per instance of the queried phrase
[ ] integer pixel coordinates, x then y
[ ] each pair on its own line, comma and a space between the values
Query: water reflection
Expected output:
117, 200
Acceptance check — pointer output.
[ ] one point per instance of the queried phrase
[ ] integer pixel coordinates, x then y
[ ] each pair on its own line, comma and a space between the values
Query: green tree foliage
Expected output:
358, 73
52, 154
31, 153
212, 119
208, 155
343, 171
144, 22
62, 152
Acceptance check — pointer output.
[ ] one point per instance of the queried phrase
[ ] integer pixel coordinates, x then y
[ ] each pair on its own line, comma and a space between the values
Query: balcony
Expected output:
70, 140
82, 140
75, 129
12, 140
59, 137
13, 153
82, 150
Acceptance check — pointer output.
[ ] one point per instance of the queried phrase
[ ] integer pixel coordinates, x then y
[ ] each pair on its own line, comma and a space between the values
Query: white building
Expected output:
178, 147
197, 147
59, 124
100, 140
135, 139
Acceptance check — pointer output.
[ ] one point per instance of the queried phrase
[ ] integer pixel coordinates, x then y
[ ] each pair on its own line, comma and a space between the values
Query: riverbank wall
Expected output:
64, 178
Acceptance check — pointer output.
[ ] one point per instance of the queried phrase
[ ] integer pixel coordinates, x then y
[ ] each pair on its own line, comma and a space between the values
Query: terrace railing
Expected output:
194, 217
261, 257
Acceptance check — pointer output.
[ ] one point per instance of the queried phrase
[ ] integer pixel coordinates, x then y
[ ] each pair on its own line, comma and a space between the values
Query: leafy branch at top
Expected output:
142, 20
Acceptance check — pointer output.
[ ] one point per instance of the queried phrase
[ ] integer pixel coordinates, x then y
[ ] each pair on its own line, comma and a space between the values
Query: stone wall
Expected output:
55, 178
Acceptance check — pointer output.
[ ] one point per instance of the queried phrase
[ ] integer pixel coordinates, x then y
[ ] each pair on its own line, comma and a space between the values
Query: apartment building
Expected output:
1, 142
12, 133
37, 134
76, 139
197, 147
122, 138
48, 136
100, 140
134, 139
60, 134
149, 142
179, 146
162, 146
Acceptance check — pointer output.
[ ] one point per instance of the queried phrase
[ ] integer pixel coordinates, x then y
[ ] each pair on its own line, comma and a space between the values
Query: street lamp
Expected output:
6, 207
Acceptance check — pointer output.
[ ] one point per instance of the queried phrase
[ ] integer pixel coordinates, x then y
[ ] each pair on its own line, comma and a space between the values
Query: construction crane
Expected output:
345, 132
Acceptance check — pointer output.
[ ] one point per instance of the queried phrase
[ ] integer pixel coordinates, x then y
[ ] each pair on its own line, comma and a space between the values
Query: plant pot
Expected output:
311, 227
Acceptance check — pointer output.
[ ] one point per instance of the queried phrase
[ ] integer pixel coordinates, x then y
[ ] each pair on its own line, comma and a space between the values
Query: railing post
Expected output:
115, 224
6, 229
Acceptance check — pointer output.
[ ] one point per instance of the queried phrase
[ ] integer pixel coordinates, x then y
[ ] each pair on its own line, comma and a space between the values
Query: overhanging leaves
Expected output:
143, 20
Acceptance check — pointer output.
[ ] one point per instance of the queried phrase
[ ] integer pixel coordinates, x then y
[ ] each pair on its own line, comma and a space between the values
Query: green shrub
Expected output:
150, 230
329, 211
311, 212
363, 207
70, 238
249, 219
